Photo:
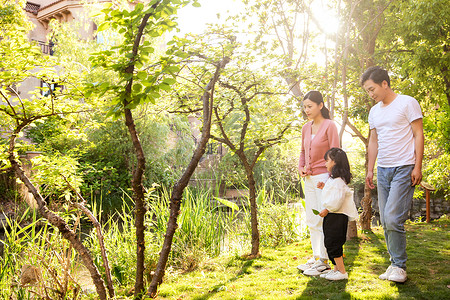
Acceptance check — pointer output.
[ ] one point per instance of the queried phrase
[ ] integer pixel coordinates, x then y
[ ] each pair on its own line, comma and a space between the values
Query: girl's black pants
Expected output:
335, 233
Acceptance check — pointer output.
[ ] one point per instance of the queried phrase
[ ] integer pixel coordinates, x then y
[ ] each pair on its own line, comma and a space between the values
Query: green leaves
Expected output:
141, 75
228, 203
103, 26
146, 69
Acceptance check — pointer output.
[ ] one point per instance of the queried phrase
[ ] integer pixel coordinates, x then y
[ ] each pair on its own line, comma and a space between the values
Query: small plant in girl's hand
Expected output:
316, 212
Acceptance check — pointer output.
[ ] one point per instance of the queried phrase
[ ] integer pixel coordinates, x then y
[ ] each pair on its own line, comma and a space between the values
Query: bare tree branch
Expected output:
82, 207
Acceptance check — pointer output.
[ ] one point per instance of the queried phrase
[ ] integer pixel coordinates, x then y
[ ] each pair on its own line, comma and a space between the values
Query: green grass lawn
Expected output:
274, 275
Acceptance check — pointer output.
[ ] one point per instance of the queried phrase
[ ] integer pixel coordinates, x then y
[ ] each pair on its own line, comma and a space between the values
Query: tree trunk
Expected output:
138, 172
365, 218
177, 192
58, 222
140, 210
352, 230
253, 211
101, 241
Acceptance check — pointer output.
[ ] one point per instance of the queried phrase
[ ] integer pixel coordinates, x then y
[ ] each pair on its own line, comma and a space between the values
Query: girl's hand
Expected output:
320, 185
324, 212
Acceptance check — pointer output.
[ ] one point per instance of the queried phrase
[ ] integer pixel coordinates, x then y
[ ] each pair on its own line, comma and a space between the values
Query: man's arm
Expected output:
372, 156
417, 129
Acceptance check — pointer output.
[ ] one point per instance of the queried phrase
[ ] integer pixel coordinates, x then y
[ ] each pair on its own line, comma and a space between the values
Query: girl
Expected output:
318, 136
338, 209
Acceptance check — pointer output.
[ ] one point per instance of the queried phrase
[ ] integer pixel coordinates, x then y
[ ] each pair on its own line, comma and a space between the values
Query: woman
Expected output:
318, 136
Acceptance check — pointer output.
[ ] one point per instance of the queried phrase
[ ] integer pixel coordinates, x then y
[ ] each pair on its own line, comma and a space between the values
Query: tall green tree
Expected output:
140, 80
283, 30
247, 95
357, 39
20, 61
415, 45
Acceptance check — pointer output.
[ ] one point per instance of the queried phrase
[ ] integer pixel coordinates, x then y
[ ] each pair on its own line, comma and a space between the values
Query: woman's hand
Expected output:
320, 185
303, 172
324, 212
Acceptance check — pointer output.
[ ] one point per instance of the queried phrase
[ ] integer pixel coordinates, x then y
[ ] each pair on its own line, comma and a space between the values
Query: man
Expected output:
396, 139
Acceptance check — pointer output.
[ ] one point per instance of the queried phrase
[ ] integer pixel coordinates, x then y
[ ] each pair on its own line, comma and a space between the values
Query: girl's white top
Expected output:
337, 197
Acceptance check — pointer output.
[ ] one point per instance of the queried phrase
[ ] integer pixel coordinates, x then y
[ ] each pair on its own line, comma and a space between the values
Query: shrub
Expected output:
37, 262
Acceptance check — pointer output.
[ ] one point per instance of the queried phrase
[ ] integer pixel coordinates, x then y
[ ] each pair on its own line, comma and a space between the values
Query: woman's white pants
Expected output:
313, 200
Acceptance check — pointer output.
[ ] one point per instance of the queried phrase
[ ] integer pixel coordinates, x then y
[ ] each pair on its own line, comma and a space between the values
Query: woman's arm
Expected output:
333, 136
301, 163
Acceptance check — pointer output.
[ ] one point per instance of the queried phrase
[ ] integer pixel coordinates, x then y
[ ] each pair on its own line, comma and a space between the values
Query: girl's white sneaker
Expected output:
337, 276
324, 275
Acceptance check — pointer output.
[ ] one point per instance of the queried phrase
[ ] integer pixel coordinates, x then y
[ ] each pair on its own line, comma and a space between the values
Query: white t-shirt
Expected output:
393, 126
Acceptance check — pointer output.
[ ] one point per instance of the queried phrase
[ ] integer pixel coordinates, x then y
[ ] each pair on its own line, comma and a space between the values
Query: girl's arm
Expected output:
334, 195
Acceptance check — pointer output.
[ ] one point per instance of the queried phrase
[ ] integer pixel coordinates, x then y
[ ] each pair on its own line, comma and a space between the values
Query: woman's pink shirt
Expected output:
313, 150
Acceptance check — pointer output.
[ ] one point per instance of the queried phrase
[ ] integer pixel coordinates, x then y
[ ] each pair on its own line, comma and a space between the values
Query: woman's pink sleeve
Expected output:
301, 163
333, 136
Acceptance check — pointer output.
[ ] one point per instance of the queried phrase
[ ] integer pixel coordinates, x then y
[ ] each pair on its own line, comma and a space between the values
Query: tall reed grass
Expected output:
207, 227
36, 263
277, 222
201, 231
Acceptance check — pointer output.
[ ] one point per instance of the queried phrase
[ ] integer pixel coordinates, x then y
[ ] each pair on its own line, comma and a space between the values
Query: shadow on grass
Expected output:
428, 261
420, 254
320, 288
218, 287
405, 290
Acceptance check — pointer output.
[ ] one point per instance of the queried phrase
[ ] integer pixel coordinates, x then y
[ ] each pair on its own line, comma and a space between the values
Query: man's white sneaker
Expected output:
397, 275
386, 274
337, 276
307, 265
317, 268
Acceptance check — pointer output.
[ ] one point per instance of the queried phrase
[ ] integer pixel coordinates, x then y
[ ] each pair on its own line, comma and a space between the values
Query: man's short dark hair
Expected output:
377, 74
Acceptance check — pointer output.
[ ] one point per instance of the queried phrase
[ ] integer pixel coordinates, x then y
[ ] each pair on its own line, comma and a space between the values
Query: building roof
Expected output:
32, 7
52, 3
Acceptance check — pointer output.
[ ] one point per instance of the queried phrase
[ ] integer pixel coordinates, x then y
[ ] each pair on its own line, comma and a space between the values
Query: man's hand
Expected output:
416, 176
320, 185
323, 213
369, 180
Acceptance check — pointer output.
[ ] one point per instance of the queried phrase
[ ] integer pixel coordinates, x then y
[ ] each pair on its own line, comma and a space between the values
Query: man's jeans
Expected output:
395, 194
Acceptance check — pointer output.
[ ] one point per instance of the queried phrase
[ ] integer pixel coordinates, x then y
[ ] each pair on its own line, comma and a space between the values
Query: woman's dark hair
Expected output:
316, 97
341, 167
